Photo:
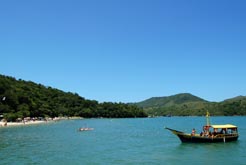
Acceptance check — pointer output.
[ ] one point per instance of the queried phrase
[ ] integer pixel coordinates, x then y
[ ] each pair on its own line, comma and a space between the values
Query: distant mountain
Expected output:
168, 101
186, 104
235, 99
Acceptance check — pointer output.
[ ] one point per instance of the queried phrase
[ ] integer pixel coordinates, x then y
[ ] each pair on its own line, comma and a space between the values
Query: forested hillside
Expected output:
19, 99
189, 105
167, 101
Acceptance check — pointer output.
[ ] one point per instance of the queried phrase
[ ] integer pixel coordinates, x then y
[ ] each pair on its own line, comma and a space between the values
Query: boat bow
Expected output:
175, 132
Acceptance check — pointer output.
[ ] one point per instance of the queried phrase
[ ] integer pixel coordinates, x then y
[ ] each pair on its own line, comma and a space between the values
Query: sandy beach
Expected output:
33, 122
3, 124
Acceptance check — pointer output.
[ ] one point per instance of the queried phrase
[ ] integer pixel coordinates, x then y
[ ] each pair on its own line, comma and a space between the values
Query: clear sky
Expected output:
127, 50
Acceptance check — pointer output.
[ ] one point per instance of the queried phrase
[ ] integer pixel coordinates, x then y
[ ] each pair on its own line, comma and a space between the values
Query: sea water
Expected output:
118, 141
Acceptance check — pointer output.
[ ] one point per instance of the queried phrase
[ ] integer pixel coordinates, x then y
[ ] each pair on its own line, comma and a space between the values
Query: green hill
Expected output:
19, 99
168, 101
186, 104
237, 98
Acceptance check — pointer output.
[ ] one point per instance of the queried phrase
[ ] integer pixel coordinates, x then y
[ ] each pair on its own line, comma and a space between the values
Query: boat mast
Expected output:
208, 118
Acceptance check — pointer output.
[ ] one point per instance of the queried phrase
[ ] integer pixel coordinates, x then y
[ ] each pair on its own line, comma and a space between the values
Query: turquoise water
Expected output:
118, 141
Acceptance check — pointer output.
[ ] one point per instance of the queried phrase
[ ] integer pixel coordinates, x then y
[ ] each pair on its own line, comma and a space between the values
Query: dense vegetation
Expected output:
168, 101
186, 105
19, 99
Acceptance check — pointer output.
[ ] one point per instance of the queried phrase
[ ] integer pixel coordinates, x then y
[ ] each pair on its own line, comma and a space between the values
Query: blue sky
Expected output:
127, 50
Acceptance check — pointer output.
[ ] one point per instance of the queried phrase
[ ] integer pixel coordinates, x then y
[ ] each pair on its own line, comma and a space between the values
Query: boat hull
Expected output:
188, 138
197, 139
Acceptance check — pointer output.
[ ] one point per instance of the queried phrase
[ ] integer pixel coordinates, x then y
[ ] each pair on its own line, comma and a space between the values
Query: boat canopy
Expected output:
224, 126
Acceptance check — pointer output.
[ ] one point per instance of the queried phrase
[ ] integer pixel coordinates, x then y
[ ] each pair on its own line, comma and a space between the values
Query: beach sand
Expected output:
32, 122
3, 124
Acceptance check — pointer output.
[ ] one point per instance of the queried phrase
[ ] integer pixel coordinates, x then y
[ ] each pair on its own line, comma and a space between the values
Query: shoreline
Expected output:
11, 124
35, 122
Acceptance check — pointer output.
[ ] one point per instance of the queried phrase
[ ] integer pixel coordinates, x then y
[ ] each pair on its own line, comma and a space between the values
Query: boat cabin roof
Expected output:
224, 126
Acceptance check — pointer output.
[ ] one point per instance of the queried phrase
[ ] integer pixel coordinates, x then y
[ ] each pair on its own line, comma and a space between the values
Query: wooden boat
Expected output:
220, 133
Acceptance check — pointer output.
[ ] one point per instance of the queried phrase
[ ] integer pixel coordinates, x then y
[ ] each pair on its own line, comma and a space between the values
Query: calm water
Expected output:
118, 141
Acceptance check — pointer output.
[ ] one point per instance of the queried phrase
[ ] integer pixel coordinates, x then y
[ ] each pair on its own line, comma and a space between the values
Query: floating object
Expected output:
86, 129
